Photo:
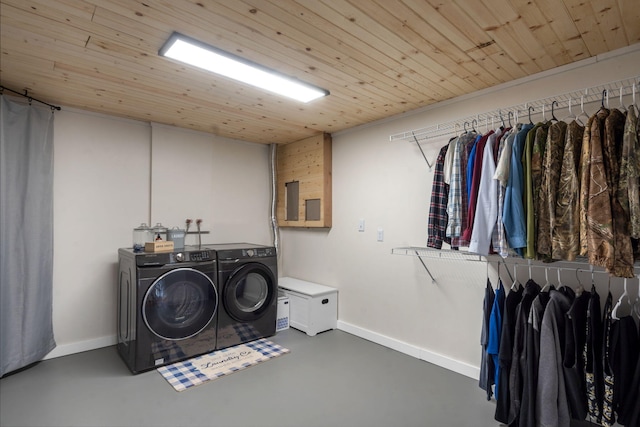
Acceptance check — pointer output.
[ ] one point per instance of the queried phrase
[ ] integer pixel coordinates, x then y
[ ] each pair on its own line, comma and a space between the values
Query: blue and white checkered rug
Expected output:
207, 367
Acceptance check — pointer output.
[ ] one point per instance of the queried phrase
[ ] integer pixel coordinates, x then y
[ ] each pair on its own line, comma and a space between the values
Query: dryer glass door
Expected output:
249, 291
180, 304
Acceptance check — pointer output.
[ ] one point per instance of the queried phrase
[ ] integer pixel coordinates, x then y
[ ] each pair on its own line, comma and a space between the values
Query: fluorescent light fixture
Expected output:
198, 54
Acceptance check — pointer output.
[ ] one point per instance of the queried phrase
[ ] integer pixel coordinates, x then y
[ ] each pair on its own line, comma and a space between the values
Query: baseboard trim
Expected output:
79, 347
392, 343
411, 350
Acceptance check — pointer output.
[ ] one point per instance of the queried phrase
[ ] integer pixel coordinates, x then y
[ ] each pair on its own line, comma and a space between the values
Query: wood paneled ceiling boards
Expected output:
377, 58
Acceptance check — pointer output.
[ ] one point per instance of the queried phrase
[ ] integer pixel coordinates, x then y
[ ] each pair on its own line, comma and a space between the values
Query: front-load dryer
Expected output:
248, 283
167, 306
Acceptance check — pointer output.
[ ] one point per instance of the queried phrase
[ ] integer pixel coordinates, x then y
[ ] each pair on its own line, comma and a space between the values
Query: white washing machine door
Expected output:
179, 304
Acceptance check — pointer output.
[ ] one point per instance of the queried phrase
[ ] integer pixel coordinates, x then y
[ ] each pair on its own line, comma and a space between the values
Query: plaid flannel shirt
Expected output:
438, 217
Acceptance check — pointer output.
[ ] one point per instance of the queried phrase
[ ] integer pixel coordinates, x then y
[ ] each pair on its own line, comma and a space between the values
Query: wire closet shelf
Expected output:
607, 93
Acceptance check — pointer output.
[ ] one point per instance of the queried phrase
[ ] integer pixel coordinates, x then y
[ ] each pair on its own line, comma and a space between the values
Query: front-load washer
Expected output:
248, 283
167, 306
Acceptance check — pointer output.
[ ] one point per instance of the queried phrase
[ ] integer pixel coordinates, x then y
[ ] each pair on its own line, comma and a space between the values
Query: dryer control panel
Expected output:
258, 252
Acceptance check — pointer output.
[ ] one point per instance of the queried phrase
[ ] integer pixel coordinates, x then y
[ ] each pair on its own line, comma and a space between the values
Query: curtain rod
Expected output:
31, 98
570, 99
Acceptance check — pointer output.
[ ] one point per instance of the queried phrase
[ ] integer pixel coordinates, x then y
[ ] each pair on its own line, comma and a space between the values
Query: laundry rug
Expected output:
200, 369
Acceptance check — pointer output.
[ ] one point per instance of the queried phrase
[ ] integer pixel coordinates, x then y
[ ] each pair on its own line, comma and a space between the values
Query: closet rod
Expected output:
584, 96
31, 98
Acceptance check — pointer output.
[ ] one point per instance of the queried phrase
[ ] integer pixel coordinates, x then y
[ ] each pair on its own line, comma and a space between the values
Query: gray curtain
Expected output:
26, 234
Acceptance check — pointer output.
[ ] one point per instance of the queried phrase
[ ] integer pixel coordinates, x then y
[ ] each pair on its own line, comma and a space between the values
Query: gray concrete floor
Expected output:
332, 379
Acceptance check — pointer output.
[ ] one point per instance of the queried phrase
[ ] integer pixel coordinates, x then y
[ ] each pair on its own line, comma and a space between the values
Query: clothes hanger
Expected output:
507, 270
622, 106
547, 285
571, 116
465, 127
530, 109
502, 119
560, 285
582, 112
553, 116
605, 94
510, 113
579, 288
515, 285
614, 312
473, 126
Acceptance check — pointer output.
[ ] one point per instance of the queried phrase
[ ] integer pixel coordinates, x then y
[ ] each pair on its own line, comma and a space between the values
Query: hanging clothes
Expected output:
499, 238
470, 165
475, 184
632, 401
438, 217
495, 330
608, 415
548, 191
594, 379
625, 355
503, 399
622, 263
585, 179
599, 220
486, 211
458, 204
529, 207
519, 362
625, 350
486, 365
629, 189
513, 215
552, 406
574, 357
532, 354
565, 234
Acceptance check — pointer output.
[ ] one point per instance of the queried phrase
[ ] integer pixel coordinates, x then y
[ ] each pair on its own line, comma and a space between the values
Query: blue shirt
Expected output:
513, 212
470, 164
495, 331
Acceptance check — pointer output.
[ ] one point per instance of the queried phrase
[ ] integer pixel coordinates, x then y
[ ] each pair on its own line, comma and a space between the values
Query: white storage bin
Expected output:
282, 321
313, 308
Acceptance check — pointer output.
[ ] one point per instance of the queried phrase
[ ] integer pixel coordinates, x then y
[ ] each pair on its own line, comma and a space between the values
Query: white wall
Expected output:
390, 298
112, 174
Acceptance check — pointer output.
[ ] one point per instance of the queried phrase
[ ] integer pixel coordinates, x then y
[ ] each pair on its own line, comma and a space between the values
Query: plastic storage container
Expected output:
177, 237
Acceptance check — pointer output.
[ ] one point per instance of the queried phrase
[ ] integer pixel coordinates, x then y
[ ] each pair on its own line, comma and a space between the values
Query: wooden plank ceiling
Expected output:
378, 58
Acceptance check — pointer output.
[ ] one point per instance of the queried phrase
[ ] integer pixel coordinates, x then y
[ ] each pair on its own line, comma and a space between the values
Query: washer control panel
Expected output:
200, 256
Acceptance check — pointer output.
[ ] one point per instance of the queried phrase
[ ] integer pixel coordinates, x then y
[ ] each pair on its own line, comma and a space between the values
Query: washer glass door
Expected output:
249, 292
180, 304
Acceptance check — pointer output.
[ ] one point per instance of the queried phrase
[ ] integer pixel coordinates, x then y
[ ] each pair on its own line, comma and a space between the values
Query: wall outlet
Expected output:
380, 235
361, 225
